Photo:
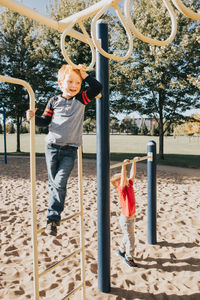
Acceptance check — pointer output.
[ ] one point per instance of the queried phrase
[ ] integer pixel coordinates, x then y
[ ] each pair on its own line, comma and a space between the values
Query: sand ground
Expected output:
168, 270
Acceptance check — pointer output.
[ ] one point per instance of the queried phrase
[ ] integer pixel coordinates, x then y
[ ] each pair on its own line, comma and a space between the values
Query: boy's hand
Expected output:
136, 158
83, 72
127, 160
30, 114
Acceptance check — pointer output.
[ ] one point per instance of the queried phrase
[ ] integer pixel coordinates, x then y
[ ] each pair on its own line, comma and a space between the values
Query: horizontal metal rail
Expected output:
149, 157
73, 292
62, 221
60, 262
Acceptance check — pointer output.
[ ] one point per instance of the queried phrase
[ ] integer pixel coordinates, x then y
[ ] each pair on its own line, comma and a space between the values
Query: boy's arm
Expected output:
45, 119
124, 180
133, 171
93, 90
95, 87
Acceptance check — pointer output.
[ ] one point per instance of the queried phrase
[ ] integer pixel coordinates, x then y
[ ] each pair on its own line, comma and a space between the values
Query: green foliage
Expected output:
128, 125
19, 60
88, 125
41, 130
135, 129
114, 124
143, 129
160, 82
154, 131
78, 52
23, 129
154, 81
10, 128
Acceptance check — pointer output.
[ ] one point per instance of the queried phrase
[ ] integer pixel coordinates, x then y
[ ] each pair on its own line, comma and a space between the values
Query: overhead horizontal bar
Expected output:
149, 157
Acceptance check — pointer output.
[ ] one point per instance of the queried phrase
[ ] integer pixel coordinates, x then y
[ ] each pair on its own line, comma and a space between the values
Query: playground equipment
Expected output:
151, 176
97, 10
35, 231
4, 132
65, 26
103, 171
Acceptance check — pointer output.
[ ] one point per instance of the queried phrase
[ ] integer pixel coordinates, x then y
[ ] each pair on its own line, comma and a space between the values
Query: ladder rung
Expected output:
70, 217
60, 262
73, 292
62, 221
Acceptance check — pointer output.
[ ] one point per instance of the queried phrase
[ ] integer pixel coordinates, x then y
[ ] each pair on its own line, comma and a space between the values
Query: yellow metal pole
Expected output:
82, 238
33, 179
186, 11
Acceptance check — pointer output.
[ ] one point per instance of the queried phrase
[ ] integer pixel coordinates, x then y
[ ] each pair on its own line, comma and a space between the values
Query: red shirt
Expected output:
127, 199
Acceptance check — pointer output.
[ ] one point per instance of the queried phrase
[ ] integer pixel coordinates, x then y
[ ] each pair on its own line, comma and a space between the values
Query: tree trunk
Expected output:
18, 135
161, 142
161, 132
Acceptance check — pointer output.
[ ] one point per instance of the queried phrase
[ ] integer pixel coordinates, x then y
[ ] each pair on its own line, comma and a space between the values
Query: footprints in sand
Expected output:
11, 251
167, 269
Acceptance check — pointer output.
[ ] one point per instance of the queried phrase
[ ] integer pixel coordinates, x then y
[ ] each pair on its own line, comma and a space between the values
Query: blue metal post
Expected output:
151, 175
103, 163
4, 131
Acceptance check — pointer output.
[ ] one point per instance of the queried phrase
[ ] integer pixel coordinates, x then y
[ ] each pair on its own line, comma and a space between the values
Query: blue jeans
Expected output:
59, 166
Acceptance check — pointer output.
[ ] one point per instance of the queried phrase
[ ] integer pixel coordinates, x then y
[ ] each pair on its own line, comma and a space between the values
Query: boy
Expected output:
64, 115
125, 190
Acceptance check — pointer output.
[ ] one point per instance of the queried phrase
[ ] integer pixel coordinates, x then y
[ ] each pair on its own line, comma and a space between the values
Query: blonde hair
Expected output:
67, 69
114, 178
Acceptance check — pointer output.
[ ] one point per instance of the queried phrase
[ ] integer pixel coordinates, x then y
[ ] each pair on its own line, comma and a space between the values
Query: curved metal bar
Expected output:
126, 27
87, 41
186, 11
33, 177
147, 39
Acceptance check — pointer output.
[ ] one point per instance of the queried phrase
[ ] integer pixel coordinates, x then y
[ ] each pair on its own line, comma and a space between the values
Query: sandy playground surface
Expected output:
168, 270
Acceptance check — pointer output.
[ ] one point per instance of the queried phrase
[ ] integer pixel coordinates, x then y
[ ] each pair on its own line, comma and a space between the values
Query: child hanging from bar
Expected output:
126, 193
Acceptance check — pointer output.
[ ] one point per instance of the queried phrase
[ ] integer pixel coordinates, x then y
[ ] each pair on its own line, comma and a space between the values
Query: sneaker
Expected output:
51, 227
119, 253
130, 263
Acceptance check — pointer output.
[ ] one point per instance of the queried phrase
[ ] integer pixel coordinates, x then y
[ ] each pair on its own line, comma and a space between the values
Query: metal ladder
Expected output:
35, 233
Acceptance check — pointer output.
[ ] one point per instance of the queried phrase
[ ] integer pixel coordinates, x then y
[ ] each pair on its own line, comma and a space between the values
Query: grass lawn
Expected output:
179, 151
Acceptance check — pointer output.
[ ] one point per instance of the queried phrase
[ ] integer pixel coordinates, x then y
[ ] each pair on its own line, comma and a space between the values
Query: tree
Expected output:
114, 124
189, 127
135, 129
10, 128
78, 51
18, 59
143, 129
88, 125
154, 81
1, 129
127, 125
154, 130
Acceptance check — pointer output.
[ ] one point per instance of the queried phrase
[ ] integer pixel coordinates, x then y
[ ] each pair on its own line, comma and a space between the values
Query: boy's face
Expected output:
71, 85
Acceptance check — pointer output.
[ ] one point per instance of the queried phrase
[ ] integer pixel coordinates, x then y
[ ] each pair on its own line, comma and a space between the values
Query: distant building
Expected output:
148, 122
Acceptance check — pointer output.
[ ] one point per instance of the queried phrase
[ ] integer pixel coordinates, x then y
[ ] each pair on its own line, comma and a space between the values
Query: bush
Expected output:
10, 128
23, 129
154, 131
143, 129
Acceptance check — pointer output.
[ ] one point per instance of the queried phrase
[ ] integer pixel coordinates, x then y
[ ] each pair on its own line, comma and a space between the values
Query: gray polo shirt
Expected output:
64, 117
67, 122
